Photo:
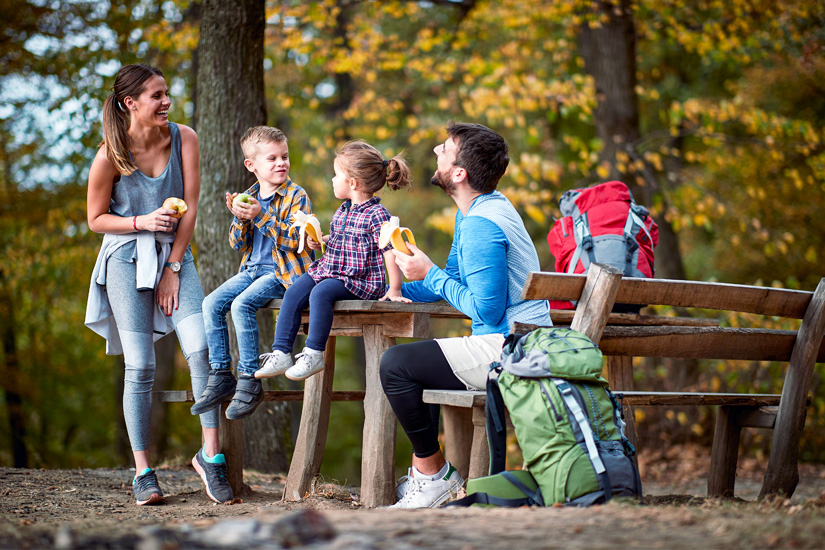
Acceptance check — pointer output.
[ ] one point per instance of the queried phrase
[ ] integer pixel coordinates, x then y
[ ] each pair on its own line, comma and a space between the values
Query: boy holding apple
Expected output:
271, 262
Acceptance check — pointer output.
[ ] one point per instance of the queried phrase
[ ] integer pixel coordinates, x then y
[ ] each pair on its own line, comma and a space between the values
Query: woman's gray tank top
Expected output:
137, 194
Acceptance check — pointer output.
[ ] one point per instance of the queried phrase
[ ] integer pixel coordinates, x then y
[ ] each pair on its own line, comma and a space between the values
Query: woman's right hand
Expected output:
159, 220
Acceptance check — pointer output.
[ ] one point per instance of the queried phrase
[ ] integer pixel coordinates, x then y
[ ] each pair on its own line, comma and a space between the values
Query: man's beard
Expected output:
443, 181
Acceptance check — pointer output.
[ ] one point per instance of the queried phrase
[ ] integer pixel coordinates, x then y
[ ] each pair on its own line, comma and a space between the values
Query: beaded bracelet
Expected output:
134, 223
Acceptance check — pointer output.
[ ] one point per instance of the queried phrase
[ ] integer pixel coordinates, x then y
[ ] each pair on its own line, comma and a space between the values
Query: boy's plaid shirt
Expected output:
352, 253
274, 223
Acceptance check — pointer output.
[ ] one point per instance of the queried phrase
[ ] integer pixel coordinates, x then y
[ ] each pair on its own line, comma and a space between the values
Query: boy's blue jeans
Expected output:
244, 294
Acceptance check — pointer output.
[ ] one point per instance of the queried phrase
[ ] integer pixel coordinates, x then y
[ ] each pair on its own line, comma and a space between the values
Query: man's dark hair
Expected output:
481, 152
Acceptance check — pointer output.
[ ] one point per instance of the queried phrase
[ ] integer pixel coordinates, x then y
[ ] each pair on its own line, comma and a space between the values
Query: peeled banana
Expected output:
392, 232
308, 224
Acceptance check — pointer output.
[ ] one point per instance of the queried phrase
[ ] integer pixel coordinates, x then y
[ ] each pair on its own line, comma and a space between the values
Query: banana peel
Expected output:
392, 233
308, 225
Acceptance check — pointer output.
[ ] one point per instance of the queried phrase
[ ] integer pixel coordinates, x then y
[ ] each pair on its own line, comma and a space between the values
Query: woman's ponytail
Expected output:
130, 81
116, 135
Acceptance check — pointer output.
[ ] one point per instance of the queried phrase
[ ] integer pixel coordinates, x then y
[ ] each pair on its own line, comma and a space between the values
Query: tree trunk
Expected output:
609, 53
230, 99
11, 379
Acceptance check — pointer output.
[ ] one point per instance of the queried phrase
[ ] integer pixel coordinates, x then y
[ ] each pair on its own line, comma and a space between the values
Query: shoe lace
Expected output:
413, 488
218, 473
146, 481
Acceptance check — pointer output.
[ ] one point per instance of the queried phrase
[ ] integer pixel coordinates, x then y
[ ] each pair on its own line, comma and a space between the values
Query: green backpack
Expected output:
568, 424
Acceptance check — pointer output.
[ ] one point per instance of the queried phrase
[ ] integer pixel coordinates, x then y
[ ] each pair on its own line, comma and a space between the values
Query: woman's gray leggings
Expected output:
133, 312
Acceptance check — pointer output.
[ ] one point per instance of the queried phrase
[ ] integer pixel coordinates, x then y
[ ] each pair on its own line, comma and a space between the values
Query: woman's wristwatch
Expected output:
174, 266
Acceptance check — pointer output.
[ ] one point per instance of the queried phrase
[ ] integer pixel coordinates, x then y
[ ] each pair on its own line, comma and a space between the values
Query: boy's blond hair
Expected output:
257, 135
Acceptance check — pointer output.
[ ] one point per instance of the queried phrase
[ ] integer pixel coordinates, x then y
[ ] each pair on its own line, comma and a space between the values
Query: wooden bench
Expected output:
596, 294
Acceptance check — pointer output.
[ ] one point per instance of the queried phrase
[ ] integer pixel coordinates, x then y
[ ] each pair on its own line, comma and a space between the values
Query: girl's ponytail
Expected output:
398, 173
366, 164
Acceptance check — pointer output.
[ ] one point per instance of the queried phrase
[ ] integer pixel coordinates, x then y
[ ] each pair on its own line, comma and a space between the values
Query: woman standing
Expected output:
144, 283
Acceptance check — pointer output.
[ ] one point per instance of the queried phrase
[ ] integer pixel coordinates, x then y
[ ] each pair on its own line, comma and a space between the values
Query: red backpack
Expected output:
602, 224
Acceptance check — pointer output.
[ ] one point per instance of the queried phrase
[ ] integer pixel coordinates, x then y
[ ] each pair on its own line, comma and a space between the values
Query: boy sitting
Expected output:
271, 262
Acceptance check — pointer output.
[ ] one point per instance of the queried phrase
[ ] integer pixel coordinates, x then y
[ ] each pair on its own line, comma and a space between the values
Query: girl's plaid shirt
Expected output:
274, 223
352, 253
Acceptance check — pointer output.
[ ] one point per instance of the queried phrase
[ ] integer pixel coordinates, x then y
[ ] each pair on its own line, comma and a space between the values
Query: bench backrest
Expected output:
695, 342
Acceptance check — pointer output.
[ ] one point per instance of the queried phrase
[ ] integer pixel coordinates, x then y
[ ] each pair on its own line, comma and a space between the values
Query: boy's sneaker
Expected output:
248, 395
431, 493
145, 488
220, 386
308, 362
213, 474
403, 484
273, 364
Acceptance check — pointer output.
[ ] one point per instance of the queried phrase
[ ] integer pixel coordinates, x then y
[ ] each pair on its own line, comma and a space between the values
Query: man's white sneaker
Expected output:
307, 363
273, 364
403, 484
431, 493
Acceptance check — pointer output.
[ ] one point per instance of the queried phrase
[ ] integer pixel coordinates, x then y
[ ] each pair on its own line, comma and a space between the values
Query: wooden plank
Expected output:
596, 301
565, 317
439, 309
702, 343
691, 399
763, 417
782, 475
378, 450
696, 342
455, 398
396, 325
778, 302
724, 453
312, 432
472, 399
269, 395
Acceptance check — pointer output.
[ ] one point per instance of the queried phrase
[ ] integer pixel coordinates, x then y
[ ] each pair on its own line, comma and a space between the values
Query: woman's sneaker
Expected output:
145, 488
273, 364
307, 363
423, 492
214, 476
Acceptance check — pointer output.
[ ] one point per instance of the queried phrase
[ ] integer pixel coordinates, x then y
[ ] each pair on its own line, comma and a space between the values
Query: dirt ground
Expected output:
94, 509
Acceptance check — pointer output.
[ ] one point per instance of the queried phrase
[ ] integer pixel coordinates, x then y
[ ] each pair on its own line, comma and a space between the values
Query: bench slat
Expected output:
778, 302
269, 395
696, 342
457, 398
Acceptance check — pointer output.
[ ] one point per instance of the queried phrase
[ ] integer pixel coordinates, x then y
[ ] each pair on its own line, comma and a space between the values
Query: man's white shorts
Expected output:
470, 357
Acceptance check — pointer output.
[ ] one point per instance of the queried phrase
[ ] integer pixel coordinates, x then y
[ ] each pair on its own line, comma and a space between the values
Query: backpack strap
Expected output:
581, 426
496, 424
530, 498
584, 241
632, 245
618, 419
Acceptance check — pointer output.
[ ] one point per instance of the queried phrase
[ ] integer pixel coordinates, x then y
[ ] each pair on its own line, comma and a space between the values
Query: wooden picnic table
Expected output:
379, 323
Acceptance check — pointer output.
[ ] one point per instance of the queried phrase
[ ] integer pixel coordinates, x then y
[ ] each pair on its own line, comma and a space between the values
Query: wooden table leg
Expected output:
312, 433
378, 451
231, 434
458, 435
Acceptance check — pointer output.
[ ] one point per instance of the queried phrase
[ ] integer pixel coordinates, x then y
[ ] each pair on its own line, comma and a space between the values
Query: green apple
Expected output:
243, 197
